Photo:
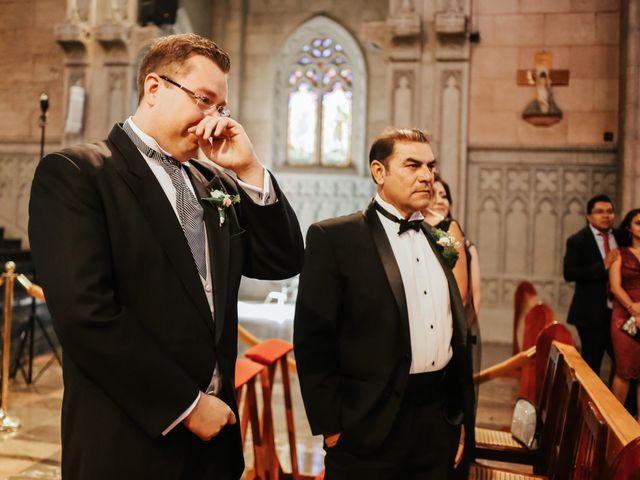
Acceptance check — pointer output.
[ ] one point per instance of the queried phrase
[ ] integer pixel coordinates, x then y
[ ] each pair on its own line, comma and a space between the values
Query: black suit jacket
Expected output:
351, 334
129, 307
584, 265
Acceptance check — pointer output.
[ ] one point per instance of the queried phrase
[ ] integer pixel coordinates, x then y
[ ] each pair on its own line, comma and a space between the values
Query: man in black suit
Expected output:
380, 332
141, 273
589, 254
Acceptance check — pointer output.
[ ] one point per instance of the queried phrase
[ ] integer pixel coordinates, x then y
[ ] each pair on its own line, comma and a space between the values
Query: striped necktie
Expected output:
189, 209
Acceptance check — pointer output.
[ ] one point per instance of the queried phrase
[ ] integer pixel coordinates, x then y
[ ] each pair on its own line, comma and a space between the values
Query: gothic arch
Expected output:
321, 26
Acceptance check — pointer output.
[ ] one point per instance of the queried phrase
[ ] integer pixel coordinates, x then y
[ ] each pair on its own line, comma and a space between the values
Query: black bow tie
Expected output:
404, 224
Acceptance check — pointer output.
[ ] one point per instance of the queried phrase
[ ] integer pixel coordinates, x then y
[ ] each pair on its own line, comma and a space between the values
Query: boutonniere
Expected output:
222, 201
447, 244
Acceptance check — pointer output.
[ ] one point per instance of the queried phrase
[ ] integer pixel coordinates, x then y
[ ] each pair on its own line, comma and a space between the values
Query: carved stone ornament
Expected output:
451, 23
72, 36
112, 34
404, 24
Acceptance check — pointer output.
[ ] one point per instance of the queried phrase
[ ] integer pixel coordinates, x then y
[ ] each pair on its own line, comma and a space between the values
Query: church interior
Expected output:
532, 106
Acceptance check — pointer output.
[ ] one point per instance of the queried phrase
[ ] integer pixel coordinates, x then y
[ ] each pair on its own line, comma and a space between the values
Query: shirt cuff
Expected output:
182, 417
261, 196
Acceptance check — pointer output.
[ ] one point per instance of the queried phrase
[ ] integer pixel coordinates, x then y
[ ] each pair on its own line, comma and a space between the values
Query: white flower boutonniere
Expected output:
222, 201
448, 245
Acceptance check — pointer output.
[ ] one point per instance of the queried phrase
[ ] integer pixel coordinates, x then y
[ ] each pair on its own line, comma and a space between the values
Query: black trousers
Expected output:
595, 341
420, 446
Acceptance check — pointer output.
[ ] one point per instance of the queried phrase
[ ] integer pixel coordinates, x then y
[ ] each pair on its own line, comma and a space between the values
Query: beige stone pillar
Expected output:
629, 170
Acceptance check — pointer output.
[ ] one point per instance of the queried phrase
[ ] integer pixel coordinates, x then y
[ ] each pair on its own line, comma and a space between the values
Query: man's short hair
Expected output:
382, 147
168, 55
598, 198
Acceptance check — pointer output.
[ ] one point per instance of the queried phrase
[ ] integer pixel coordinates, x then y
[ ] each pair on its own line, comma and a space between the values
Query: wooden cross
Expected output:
543, 60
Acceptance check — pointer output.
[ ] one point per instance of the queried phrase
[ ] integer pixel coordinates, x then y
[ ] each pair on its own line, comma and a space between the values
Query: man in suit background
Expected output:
589, 254
141, 274
380, 333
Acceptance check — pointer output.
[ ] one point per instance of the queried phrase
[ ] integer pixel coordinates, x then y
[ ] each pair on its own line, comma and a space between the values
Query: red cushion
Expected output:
246, 370
320, 476
269, 351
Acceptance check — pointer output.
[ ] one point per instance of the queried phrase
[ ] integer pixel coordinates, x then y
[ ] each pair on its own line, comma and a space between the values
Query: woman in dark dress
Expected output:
624, 279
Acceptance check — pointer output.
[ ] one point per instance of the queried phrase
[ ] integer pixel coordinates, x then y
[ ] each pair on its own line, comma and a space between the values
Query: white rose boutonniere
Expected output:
447, 244
222, 201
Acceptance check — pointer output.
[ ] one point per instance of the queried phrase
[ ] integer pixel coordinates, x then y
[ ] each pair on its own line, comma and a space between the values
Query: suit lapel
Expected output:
161, 216
219, 246
590, 239
389, 264
457, 309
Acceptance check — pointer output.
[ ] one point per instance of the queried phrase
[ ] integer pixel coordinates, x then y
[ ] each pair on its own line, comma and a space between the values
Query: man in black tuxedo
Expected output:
589, 254
141, 273
380, 332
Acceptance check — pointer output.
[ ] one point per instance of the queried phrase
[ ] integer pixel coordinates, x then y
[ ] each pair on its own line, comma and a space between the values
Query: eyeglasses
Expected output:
202, 101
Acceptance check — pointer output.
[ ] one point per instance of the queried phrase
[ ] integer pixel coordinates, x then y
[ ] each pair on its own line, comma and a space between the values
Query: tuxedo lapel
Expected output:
219, 247
158, 211
389, 264
457, 308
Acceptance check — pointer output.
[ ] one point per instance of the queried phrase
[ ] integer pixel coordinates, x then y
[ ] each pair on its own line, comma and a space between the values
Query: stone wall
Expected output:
32, 64
582, 36
527, 186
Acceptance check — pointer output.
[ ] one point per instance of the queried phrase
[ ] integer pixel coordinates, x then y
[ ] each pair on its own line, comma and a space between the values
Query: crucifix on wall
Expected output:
543, 111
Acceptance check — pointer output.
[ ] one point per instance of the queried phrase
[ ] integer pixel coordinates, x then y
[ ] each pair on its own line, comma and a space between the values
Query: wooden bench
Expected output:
586, 435
542, 386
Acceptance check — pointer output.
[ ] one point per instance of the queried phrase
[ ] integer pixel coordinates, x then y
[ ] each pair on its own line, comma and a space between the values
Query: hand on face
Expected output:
224, 141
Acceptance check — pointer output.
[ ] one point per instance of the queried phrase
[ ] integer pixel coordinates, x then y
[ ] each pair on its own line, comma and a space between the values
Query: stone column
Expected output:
451, 99
404, 50
629, 143
74, 36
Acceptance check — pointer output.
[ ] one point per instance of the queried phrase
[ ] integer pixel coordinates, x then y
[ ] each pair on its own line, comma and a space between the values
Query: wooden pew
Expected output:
594, 438
497, 444
622, 428
560, 396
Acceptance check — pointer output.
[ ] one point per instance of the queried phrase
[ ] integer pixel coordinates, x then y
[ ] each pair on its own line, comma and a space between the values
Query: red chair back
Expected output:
535, 321
524, 298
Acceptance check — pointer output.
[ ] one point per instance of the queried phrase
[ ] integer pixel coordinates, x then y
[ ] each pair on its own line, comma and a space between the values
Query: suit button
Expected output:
397, 393
407, 356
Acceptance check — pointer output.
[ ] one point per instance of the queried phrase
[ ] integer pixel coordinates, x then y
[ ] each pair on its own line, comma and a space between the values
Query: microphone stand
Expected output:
28, 332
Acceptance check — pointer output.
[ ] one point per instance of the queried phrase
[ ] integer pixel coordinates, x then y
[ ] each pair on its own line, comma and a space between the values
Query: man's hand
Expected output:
611, 257
331, 440
224, 142
208, 417
460, 451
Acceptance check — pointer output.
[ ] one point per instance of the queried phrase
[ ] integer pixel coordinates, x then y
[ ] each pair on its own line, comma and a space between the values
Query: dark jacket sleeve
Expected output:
274, 245
70, 243
274, 240
315, 334
580, 267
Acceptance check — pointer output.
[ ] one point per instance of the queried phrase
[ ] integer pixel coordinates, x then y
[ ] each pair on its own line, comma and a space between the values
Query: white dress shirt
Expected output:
261, 196
427, 294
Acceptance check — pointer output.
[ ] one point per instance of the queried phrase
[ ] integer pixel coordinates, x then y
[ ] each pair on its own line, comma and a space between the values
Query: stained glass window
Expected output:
319, 123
